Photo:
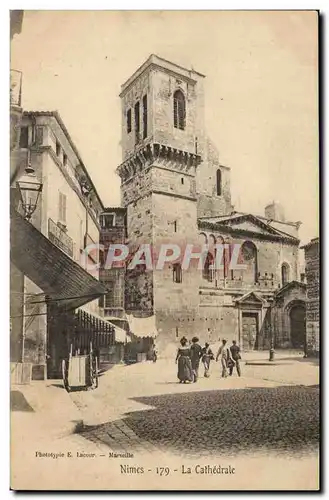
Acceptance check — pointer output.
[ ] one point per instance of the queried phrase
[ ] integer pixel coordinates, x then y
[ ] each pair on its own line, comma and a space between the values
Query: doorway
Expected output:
298, 326
249, 331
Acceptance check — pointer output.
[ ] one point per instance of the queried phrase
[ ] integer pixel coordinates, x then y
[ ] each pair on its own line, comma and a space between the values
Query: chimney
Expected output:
275, 211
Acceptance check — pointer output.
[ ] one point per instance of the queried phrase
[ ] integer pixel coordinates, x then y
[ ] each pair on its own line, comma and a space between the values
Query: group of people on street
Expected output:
190, 354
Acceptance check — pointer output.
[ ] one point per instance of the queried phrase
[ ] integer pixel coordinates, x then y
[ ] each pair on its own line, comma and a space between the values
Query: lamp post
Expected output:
271, 358
29, 189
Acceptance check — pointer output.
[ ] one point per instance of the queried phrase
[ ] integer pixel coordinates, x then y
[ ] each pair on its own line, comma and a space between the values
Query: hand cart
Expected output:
80, 370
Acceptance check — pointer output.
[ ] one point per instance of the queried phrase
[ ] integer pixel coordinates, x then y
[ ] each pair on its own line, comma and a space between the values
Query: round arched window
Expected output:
179, 110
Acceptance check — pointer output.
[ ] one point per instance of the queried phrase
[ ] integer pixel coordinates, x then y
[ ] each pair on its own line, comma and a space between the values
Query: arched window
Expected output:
219, 182
285, 274
208, 271
220, 256
179, 110
249, 259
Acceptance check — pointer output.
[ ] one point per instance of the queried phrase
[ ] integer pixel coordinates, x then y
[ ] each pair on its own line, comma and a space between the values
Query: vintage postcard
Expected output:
164, 263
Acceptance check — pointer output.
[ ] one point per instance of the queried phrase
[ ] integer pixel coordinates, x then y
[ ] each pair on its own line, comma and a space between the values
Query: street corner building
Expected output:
175, 189
54, 304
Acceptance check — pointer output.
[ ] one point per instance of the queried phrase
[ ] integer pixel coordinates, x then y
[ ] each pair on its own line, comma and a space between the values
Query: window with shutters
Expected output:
129, 121
144, 116
179, 110
24, 137
137, 123
62, 208
107, 221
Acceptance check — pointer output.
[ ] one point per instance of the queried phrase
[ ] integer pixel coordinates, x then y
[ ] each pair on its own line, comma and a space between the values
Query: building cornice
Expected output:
155, 62
149, 153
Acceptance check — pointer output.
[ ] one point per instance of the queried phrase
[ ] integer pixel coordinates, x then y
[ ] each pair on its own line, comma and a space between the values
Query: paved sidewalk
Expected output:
43, 409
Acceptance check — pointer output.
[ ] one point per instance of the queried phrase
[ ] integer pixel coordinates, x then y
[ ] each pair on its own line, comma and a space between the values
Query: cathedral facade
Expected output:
175, 190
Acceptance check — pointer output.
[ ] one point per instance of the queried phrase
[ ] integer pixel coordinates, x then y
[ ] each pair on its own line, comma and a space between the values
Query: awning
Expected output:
91, 327
142, 327
65, 282
119, 334
122, 325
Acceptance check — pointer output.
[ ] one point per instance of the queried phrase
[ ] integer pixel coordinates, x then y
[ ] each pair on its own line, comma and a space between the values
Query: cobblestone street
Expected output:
283, 419
270, 408
140, 410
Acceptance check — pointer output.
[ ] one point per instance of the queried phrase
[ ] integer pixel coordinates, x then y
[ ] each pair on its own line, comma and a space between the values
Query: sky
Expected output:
261, 102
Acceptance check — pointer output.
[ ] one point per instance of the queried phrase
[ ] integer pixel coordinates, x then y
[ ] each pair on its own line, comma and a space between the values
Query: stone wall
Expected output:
139, 284
136, 92
312, 272
136, 187
159, 86
164, 87
209, 203
173, 182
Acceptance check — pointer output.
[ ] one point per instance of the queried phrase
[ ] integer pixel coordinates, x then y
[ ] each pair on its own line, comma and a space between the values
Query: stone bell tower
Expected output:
162, 147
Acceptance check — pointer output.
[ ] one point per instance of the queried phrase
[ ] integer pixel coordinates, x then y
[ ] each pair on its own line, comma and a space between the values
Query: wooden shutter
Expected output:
62, 207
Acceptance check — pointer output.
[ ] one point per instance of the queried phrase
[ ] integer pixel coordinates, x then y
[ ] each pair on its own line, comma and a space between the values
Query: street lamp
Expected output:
271, 357
29, 189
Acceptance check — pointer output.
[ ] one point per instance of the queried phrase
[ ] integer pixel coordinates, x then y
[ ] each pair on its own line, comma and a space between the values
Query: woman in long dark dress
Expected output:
183, 358
196, 352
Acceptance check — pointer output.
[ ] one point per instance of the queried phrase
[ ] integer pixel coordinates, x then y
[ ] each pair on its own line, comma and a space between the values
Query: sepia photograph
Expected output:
164, 250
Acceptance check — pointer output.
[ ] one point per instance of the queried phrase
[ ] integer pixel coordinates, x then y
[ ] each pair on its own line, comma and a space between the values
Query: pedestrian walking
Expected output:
183, 358
225, 356
207, 356
154, 354
196, 353
236, 356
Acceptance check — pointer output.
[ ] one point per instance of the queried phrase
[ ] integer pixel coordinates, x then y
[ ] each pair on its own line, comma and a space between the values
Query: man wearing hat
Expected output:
207, 356
196, 353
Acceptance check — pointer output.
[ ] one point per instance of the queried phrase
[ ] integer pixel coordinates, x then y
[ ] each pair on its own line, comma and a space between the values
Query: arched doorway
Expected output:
297, 316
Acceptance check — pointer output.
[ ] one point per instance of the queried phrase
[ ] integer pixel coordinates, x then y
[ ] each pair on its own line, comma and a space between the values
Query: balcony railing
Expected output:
60, 238
261, 283
15, 87
264, 284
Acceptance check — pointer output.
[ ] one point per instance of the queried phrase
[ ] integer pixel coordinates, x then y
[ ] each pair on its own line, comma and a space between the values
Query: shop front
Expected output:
143, 333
